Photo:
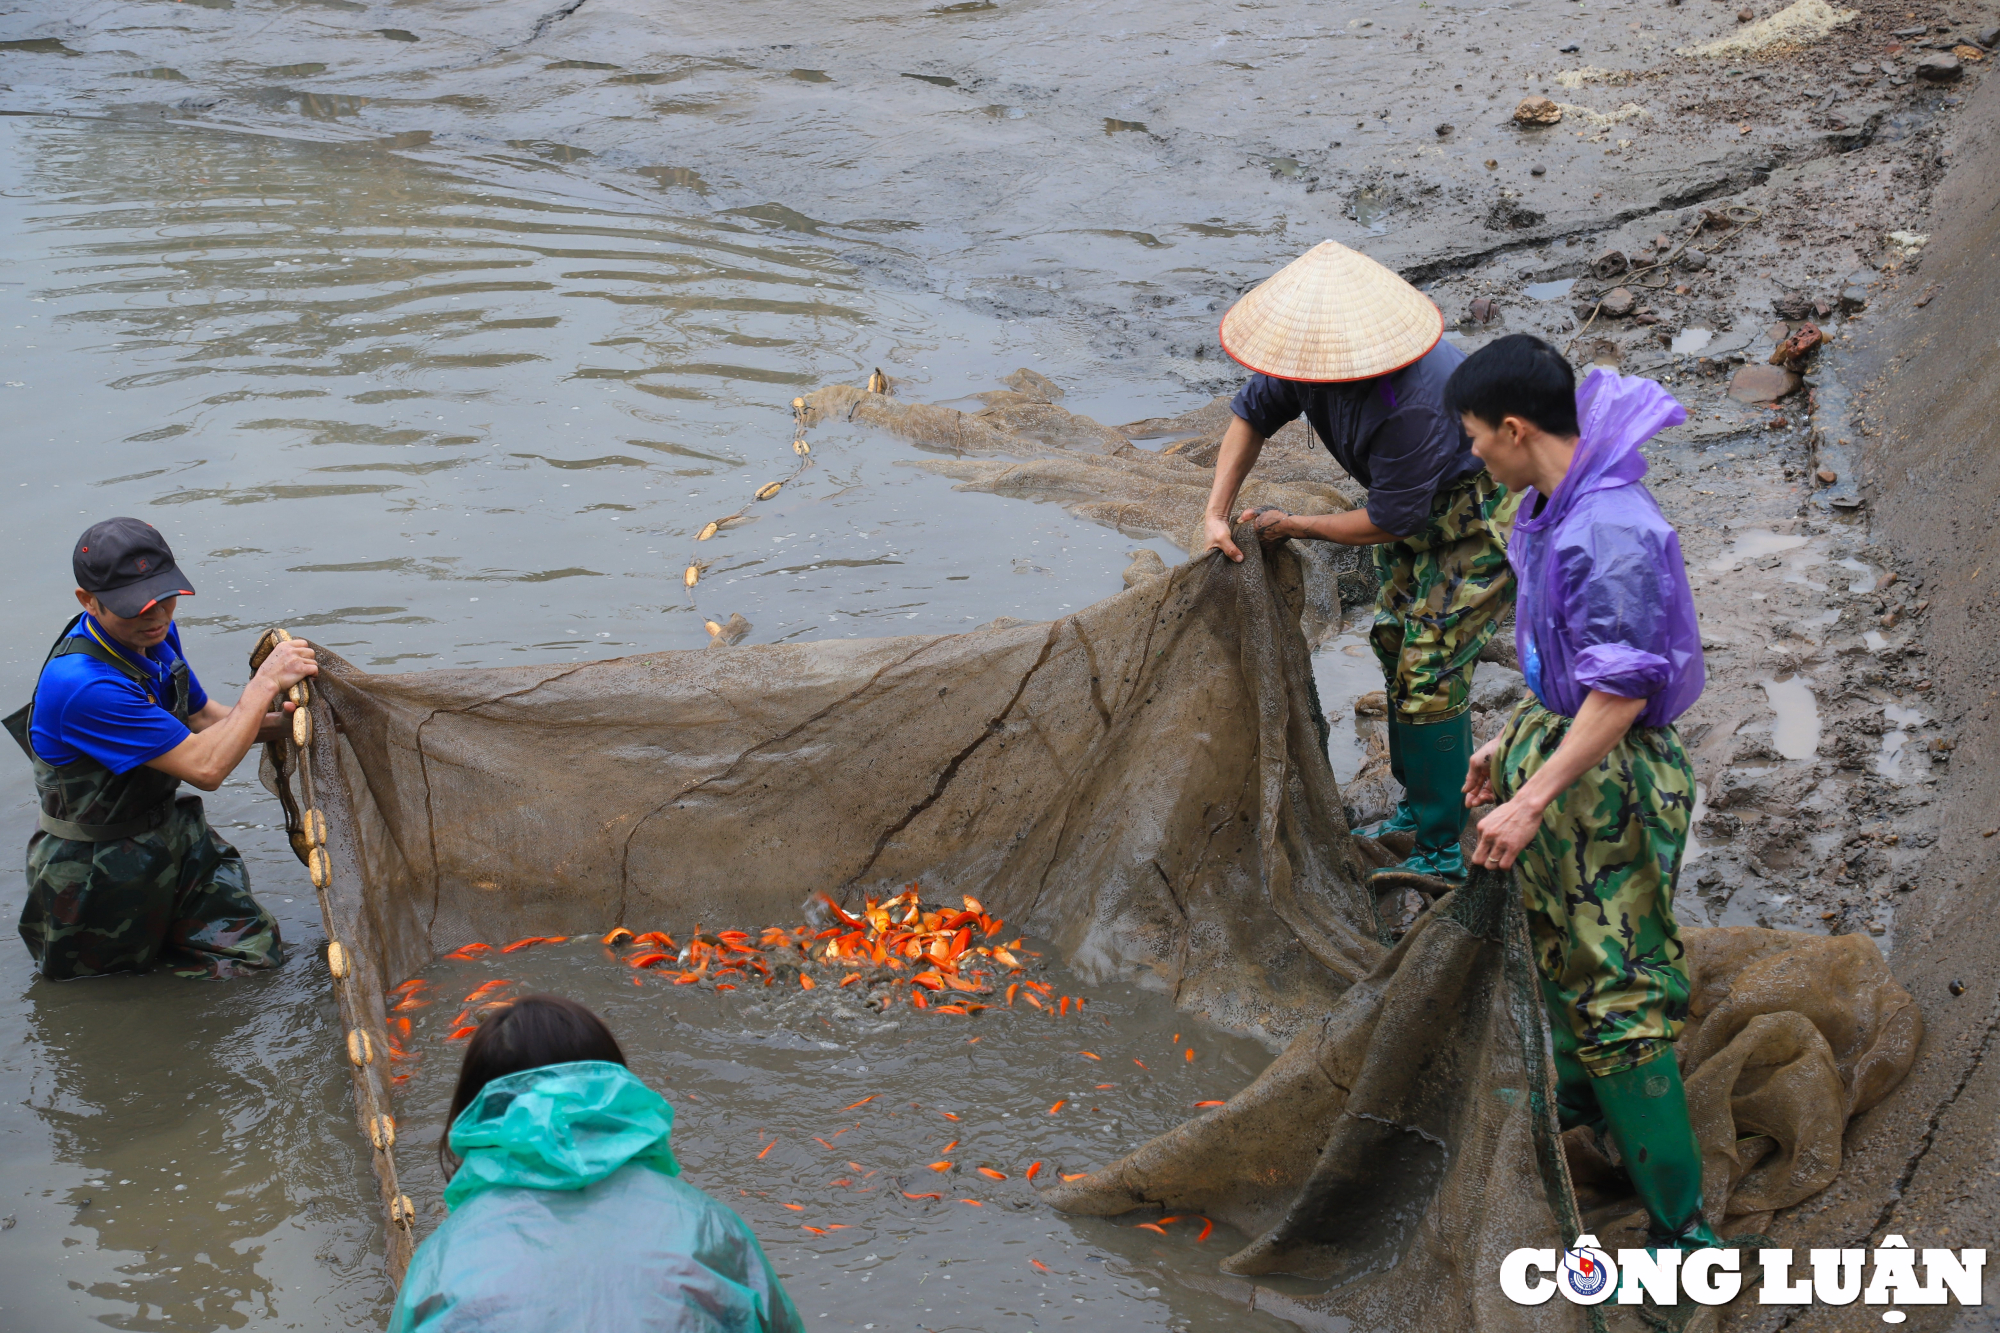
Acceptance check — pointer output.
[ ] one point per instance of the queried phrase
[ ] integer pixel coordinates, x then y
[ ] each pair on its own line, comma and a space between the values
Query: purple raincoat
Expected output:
1603, 601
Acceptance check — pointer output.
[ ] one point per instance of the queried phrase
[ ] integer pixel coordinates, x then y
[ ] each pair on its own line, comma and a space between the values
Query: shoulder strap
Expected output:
88, 647
68, 644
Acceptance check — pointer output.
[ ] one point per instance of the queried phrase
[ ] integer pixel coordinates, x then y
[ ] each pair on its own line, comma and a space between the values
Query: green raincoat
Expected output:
568, 1213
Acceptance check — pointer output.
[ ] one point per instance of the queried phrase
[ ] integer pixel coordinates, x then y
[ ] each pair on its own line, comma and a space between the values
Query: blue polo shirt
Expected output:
84, 707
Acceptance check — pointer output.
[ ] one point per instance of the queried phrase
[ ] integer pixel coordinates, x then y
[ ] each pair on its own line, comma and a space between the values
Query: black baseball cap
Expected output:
128, 564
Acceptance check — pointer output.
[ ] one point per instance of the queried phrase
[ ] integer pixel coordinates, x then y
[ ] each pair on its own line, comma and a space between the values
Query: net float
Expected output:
359, 1050
314, 824
302, 728
708, 531
801, 448
769, 489
319, 868
382, 1132
336, 959
692, 576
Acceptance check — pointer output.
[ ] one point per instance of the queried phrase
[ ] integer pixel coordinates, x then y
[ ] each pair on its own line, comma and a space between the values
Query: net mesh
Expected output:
1143, 783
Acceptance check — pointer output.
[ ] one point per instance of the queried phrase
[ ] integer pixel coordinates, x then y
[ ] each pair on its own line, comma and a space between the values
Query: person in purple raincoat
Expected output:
1592, 788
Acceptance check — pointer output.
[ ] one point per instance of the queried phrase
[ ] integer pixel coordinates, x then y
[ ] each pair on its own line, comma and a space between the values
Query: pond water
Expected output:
433, 415
817, 1119
439, 342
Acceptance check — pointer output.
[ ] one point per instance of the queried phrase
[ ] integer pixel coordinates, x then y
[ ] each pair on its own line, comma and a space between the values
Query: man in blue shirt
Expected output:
121, 874
1344, 342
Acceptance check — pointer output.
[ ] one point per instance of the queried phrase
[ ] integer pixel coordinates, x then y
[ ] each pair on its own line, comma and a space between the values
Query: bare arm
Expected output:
1351, 528
222, 736
1600, 724
277, 723
1240, 449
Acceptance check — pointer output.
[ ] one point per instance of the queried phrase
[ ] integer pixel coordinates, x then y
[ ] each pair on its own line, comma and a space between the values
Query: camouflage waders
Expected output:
123, 876
1597, 883
1444, 590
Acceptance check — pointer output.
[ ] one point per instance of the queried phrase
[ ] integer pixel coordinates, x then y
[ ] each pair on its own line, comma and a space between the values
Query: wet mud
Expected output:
439, 333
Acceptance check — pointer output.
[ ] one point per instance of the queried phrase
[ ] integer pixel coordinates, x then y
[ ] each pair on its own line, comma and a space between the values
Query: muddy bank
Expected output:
1931, 475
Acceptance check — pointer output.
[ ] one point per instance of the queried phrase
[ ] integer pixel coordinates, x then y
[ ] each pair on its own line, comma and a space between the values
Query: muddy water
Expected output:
764, 1079
458, 413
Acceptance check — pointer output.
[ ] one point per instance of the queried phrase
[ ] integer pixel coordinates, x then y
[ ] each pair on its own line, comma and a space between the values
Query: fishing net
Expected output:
1144, 784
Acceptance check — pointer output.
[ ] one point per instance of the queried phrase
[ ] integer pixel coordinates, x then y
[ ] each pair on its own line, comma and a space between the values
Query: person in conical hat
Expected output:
1348, 344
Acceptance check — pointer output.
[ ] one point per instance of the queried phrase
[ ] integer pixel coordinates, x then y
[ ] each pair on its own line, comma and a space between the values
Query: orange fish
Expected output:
617, 935
1012, 991
1206, 1227
796, 1207
1059, 1106
815, 1230
1102, 1086
647, 958
908, 1195
485, 989
533, 939
838, 1226
465, 953
462, 1032
1034, 1169
637, 981
974, 1202
805, 982
413, 984
1177, 1039
1199, 1105
952, 1009
408, 1003
949, 1146
1078, 1176
991, 1174
940, 1166
1190, 1054
1041, 986
822, 1143
1148, 1226
917, 998
724, 986
1062, 1008
1137, 1061
401, 1025
687, 978
657, 938
767, 1148
1090, 1055
863, 1102
947, 1115
1030, 998
851, 979
1037, 1263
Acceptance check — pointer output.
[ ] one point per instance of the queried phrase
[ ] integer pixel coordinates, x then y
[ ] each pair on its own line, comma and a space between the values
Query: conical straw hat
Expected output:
1331, 314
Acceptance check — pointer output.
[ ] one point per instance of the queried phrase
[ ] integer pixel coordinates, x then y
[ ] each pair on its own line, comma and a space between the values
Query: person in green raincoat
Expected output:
124, 873
567, 1206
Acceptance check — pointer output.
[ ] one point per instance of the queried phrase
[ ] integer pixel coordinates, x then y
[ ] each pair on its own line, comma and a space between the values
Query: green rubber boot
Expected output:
1646, 1110
1576, 1093
1435, 756
1404, 818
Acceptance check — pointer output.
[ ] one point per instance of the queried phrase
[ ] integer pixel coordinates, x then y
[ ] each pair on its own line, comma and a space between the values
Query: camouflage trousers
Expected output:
1444, 590
177, 896
1597, 884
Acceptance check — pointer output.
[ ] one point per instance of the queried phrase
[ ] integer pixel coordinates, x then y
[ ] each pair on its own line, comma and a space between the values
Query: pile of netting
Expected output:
1142, 786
